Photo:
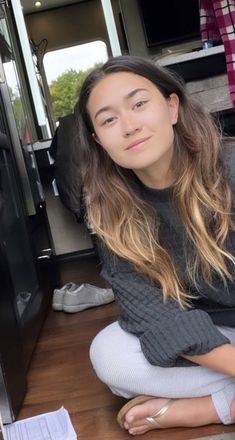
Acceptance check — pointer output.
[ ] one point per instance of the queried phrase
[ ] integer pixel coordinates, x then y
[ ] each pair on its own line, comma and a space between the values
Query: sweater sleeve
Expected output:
165, 330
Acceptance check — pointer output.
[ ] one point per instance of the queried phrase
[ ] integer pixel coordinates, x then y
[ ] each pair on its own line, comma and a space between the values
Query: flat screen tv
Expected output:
169, 21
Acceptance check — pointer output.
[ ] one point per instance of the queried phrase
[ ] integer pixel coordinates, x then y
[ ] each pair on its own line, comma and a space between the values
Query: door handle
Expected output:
45, 254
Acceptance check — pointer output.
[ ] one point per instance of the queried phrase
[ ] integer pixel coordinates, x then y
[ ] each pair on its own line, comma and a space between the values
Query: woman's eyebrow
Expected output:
126, 97
103, 109
133, 92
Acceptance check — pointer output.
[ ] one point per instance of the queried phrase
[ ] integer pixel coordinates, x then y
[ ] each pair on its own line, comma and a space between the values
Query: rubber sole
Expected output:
57, 307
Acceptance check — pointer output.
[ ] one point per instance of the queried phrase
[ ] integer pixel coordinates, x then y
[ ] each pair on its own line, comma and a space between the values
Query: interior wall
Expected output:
133, 28
71, 25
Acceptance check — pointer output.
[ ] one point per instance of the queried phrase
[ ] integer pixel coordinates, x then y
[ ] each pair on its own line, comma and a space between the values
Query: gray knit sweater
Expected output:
165, 330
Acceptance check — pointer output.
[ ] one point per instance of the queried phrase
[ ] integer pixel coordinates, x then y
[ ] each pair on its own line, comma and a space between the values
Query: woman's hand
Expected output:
220, 359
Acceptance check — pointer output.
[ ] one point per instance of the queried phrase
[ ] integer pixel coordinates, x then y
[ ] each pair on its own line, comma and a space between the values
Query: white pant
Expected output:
119, 362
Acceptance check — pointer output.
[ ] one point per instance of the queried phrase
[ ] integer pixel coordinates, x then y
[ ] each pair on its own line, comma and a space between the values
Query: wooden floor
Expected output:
61, 374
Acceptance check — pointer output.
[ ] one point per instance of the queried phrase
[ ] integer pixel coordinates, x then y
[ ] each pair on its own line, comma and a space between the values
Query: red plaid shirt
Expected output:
217, 23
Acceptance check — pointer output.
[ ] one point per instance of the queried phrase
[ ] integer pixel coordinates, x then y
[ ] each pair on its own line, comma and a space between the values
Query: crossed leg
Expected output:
201, 396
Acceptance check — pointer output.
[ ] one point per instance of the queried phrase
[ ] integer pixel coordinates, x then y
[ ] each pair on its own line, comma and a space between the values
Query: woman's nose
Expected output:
130, 125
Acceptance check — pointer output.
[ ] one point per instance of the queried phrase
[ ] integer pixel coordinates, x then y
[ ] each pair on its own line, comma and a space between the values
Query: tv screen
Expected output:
171, 21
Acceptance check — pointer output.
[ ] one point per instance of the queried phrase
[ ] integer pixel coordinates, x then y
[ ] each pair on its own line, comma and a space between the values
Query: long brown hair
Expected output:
201, 194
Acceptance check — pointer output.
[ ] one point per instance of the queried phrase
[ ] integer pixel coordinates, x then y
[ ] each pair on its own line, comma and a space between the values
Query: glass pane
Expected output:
65, 70
15, 84
15, 90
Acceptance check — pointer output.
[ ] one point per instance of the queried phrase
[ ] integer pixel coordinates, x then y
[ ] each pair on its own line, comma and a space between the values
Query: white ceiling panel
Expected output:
28, 5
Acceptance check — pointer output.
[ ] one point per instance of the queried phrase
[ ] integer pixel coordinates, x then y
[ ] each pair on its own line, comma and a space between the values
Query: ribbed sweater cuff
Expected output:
190, 333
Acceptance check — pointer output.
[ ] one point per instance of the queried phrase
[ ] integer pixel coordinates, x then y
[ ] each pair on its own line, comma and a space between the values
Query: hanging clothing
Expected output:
217, 23
67, 170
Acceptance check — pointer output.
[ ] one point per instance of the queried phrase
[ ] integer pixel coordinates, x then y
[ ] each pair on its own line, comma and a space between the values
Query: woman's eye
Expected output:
140, 104
108, 121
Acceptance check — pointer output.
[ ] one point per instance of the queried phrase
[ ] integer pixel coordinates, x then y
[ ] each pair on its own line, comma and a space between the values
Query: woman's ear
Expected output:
96, 139
174, 107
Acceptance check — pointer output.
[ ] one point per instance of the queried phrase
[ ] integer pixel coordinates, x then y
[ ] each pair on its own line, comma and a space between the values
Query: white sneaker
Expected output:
58, 295
85, 297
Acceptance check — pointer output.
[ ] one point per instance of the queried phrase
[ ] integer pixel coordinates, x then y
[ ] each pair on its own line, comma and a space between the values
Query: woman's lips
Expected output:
137, 143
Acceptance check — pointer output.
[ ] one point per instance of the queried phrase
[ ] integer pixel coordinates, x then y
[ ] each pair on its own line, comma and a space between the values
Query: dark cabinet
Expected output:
26, 264
26, 279
12, 375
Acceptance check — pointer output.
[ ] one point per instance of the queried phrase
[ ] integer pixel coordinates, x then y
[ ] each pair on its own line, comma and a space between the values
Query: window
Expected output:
66, 69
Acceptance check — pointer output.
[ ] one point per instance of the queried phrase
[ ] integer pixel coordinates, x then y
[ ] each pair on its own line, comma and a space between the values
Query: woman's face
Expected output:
133, 122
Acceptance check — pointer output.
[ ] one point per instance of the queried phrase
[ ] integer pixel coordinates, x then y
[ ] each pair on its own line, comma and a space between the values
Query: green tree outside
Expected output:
65, 90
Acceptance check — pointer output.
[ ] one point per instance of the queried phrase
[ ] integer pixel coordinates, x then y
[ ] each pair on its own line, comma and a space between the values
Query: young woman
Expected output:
160, 188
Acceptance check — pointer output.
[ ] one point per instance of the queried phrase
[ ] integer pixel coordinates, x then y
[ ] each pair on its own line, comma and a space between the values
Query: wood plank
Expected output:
212, 92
